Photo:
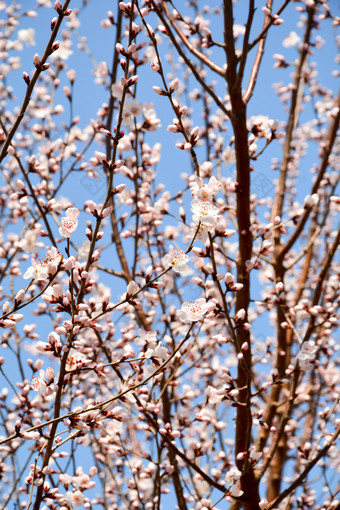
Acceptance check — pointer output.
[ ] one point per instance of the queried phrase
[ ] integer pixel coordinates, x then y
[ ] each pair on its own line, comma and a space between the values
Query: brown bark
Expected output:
249, 484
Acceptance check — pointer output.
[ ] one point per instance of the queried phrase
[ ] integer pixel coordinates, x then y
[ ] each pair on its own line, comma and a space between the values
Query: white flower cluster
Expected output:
152, 348
42, 269
306, 355
204, 211
233, 477
45, 382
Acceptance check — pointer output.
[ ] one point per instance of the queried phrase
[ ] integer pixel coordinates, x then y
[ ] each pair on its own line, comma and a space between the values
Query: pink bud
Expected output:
132, 48
118, 189
159, 91
101, 157
55, 46
132, 288
67, 92
58, 7
120, 49
19, 297
155, 66
71, 74
26, 78
106, 212
133, 80
36, 60
5, 307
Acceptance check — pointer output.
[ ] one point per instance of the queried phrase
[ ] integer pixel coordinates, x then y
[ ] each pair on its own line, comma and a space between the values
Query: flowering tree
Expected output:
167, 336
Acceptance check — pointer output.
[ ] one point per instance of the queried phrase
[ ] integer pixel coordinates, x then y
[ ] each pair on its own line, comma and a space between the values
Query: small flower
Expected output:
235, 490
177, 259
44, 381
38, 271
205, 192
145, 337
38, 383
75, 360
306, 355
233, 475
193, 312
75, 498
44, 269
205, 212
27, 36
311, 200
69, 222
291, 40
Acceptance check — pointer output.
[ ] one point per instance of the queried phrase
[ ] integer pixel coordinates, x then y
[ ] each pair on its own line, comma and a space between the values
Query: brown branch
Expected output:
194, 51
172, 455
243, 60
32, 83
249, 484
330, 139
258, 59
188, 62
304, 473
266, 27
57, 407
318, 289
281, 190
283, 349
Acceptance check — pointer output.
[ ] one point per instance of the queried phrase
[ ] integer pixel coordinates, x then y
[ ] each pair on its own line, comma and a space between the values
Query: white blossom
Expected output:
306, 355
177, 259
42, 269
193, 312
69, 222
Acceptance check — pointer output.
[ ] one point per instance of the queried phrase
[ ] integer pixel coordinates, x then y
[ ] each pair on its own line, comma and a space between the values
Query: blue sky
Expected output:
89, 96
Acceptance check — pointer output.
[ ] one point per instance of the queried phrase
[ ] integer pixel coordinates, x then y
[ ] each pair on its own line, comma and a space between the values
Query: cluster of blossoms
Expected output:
173, 391
233, 477
42, 269
151, 346
205, 213
306, 355
45, 382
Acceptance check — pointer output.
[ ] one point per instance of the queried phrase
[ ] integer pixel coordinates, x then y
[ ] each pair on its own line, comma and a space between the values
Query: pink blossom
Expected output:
205, 192
75, 360
75, 498
205, 212
177, 259
42, 269
193, 312
69, 222
306, 355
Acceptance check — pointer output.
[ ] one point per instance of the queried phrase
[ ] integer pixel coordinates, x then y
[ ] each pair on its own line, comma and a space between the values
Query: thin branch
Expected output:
32, 83
193, 50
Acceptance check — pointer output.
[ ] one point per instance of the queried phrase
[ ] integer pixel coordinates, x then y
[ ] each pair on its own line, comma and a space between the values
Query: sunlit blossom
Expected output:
69, 222
306, 355
75, 360
43, 269
193, 312
177, 259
